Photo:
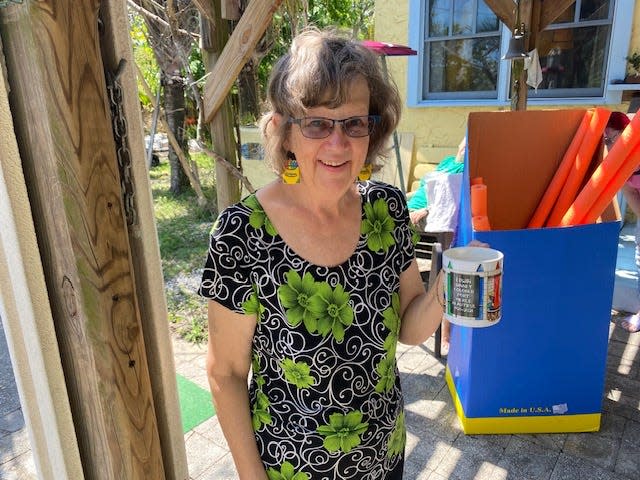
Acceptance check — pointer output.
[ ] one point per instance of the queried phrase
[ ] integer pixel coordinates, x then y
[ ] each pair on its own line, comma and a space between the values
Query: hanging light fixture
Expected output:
516, 42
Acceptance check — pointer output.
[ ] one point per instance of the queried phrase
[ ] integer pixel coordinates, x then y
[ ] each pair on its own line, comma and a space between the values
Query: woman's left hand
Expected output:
477, 243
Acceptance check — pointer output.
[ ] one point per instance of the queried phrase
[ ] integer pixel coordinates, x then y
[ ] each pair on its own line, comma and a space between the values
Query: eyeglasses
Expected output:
320, 127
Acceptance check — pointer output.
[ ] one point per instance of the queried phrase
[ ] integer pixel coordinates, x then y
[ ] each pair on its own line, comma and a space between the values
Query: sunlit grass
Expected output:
183, 232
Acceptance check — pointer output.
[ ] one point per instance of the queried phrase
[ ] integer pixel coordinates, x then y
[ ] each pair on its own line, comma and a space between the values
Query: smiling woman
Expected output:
313, 280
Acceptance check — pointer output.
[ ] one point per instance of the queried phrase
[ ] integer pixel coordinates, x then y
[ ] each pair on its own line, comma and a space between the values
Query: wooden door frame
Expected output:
26, 304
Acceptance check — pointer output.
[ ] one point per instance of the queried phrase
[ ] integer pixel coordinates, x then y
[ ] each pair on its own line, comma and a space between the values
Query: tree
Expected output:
171, 25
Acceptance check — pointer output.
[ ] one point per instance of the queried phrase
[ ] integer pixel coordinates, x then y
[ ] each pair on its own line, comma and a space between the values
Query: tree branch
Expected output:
157, 19
195, 183
229, 166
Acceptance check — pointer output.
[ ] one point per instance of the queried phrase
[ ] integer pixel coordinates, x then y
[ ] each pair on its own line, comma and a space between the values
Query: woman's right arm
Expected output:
228, 365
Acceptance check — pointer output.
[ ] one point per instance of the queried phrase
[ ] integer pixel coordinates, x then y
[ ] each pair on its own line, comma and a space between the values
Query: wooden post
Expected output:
536, 15
252, 25
505, 10
64, 132
222, 123
206, 8
230, 9
145, 252
520, 90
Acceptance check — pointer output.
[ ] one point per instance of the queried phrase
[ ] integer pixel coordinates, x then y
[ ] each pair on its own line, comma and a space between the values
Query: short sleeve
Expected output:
406, 234
395, 206
226, 277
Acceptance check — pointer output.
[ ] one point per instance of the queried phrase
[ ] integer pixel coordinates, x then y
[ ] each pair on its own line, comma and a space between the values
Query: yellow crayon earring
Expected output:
291, 173
365, 173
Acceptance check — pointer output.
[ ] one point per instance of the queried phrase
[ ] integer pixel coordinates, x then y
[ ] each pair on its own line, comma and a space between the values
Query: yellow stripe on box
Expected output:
522, 424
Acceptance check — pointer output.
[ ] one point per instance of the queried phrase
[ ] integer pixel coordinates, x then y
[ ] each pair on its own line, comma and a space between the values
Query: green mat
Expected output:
195, 403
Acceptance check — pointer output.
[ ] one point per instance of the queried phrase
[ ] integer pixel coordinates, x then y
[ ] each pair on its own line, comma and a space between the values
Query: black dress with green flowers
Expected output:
325, 392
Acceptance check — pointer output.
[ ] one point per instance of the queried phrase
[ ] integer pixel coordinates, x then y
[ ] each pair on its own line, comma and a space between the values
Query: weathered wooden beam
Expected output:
520, 92
64, 132
222, 123
255, 20
505, 10
552, 10
206, 8
145, 252
536, 16
230, 9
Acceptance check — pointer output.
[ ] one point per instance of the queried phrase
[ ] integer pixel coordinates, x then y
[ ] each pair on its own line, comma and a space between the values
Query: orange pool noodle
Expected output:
559, 178
604, 173
606, 196
476, 181
479, 200
480, 223
590, 142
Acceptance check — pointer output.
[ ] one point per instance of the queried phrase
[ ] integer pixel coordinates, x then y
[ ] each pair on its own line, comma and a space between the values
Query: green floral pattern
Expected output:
378, 226
297, 373
391, 317
343, 431
324, 394
322, 309
258, 218
253, 306
260, 409
295, 296
331, 308
386, 369
287, 472
398, 437
415, 236
387, 374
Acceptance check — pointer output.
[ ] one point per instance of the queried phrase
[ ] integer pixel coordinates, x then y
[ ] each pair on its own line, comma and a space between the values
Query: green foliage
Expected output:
144, 58
183, 234
634, 63
196, 64
196, 333
196, 67
355, 16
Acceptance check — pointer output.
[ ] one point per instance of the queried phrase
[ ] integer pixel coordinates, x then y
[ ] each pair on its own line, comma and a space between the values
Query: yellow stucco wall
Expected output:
438, 130
635, 33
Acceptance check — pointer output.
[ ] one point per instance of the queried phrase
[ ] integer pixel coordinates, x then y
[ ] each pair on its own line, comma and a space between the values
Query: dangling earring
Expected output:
291, 173
365, 173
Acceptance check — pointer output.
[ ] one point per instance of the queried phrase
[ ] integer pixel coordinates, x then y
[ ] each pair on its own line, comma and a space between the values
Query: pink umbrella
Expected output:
389, 49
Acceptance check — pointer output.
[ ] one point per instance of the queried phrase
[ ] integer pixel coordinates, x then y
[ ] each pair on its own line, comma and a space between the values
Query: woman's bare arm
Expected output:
420, 311
228, 365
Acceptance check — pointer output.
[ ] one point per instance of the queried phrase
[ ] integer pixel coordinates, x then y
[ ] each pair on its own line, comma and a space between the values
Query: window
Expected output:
574, 51
461, 50
460, 44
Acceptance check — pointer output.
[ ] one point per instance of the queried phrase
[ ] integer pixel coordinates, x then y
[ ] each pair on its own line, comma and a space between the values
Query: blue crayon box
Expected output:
542, 367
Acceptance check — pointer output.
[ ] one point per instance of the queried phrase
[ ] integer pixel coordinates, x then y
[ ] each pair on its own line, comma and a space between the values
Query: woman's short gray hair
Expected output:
317, 71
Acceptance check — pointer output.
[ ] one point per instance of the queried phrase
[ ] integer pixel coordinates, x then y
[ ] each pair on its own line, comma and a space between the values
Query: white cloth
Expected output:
443, 195
534, 69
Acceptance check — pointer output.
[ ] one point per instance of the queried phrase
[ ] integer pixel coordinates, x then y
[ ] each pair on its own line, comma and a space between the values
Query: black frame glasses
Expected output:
321, 127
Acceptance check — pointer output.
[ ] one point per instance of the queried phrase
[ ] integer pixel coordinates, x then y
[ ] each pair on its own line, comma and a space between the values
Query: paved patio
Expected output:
437, 448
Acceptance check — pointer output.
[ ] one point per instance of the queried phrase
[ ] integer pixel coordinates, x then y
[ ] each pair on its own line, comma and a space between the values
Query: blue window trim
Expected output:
616, 67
